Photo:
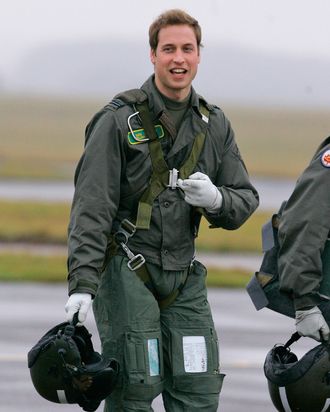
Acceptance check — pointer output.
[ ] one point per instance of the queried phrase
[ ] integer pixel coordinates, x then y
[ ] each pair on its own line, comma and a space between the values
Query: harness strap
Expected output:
158, 182
160, 172
163, 303
137, 264
159, 177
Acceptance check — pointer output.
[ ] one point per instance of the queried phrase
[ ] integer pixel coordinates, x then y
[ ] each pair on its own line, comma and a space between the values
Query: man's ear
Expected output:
152, 56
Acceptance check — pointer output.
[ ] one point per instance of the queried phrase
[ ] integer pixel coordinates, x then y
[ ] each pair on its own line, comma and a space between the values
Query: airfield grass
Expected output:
34, 268
33, 222
43, 138
46, 223
28, 267
40, 222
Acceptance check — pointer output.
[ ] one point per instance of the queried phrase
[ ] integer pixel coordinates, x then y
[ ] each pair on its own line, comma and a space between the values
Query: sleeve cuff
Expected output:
307, 301
86, 283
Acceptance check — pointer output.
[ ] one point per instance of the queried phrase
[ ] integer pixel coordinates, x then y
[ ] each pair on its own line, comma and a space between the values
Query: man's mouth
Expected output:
178, 71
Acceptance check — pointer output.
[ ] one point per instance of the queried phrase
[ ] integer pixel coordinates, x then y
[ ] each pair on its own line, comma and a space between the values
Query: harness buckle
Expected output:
173, 178
128, 227
136, 262
125, 231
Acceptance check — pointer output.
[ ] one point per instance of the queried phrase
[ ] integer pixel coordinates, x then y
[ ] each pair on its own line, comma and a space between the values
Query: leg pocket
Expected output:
143, 364
195, 360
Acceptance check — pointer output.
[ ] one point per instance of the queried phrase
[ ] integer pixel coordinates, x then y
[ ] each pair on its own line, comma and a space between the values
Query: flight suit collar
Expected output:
189, 128
156, 103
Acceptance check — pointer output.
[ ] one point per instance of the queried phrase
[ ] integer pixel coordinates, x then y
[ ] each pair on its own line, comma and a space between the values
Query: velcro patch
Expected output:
139, 135
325, 158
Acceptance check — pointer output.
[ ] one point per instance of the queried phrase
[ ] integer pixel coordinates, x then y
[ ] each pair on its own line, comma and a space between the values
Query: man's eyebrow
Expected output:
175, 45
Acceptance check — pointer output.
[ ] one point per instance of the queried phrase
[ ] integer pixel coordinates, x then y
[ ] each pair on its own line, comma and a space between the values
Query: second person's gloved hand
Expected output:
311, 323
78, 302
201, 192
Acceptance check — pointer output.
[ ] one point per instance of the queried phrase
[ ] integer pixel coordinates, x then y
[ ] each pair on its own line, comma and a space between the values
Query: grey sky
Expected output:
293, 26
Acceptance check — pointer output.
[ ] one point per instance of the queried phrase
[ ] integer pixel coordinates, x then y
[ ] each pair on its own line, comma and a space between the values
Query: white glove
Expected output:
78, 302
311, 323
201, 192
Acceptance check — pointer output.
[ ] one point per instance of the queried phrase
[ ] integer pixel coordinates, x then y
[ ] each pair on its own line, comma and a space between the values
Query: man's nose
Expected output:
178, 57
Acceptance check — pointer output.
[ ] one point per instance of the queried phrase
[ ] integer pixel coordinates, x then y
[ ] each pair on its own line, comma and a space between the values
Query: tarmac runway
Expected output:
27, 311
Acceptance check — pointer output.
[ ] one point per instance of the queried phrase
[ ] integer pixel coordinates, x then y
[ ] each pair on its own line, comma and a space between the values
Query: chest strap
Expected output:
160, 178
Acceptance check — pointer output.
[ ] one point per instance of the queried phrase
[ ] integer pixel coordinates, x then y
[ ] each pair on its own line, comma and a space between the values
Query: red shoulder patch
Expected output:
325, 158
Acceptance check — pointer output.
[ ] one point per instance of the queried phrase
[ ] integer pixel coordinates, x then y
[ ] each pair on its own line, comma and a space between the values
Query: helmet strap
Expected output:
295, 336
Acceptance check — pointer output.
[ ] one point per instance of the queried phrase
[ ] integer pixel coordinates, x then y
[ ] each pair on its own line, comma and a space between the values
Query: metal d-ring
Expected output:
132, 131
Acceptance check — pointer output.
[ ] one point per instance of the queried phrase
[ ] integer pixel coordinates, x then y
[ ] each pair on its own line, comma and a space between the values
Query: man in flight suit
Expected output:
156, 159
303, 231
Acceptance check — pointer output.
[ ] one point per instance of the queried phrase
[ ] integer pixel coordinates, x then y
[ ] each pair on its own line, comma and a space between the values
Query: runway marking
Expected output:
13, 357
242, 364
22, 357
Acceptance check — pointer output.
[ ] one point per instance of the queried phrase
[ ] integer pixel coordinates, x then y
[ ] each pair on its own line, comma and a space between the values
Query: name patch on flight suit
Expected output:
325, 158
139, 135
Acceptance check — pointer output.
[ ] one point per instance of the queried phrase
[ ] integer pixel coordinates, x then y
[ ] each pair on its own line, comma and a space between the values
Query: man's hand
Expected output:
311, 323
78, 302
201, 192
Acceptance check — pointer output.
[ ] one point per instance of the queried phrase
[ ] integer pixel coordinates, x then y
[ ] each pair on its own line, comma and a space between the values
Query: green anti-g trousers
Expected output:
173, 351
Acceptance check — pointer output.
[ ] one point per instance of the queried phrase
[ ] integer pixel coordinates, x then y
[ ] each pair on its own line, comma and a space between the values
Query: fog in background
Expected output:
269, 52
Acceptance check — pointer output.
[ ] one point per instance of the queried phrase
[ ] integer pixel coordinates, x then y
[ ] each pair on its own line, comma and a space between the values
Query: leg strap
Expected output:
163, 303
136, 263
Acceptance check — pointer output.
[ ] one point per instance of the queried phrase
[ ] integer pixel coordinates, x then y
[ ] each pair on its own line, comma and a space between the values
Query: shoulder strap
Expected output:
132, 96
160, 172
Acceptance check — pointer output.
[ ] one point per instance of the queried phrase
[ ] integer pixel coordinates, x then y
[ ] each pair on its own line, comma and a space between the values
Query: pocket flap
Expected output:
256, 292
199, 383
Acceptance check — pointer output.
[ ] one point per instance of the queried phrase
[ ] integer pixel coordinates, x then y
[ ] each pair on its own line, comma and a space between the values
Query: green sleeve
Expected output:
304, 228
240, 198
95, 203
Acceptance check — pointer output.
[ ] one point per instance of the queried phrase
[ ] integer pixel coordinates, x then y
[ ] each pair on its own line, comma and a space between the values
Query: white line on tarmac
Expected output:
19, 357
9, 357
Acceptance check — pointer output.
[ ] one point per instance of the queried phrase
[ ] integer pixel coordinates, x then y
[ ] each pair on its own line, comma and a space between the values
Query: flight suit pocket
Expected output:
195, 360
143, 364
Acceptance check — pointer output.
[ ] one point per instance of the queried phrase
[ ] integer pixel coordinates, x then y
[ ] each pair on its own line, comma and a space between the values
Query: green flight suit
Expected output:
303, 230
173, 351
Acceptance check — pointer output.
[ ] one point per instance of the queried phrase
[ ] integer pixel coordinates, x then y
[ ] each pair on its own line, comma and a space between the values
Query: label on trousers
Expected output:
194, 354
153, 355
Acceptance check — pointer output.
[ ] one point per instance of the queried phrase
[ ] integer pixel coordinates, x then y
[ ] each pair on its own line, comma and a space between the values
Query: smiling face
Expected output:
175, 60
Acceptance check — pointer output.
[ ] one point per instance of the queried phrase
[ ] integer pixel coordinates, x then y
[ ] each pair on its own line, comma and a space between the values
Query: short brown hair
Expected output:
170, 18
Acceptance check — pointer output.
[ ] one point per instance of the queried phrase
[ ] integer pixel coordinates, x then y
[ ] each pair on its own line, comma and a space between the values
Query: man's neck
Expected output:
173, 104
178, 95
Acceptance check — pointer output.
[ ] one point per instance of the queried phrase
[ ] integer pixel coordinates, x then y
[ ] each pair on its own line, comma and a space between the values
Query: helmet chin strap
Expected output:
75, 319
295, 336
